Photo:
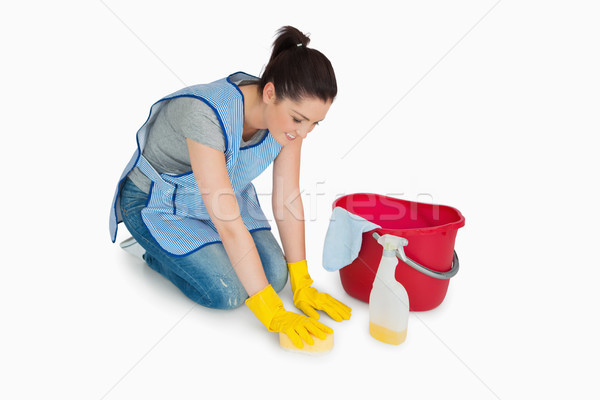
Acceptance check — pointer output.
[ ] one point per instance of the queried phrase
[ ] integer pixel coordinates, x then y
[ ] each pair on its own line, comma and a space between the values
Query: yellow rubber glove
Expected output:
268, 308
308, 299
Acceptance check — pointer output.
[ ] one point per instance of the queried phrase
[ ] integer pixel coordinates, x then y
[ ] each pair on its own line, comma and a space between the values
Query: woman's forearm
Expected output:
289, 216
244, 258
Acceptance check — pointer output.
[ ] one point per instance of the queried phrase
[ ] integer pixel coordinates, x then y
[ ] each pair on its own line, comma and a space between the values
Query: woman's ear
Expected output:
269, 93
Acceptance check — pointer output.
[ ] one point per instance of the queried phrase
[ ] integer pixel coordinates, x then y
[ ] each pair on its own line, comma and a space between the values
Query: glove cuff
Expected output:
299, 277
265, 304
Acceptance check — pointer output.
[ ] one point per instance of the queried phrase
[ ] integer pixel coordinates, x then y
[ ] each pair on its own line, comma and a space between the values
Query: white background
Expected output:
490, 107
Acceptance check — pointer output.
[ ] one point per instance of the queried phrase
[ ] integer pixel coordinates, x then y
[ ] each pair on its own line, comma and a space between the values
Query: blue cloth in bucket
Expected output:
344, 238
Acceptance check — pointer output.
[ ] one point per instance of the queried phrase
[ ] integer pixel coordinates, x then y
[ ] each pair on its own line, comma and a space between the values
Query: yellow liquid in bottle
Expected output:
386, 335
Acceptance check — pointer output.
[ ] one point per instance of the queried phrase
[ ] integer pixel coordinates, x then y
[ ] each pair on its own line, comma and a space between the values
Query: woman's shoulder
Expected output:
189, 107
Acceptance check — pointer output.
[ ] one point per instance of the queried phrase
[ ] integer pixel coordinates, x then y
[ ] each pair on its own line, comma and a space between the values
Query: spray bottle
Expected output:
388, 302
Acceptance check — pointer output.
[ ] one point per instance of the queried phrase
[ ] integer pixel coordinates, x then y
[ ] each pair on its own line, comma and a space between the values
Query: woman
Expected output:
186, 195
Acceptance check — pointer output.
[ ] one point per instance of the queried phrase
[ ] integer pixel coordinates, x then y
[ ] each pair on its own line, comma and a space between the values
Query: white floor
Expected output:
490, 107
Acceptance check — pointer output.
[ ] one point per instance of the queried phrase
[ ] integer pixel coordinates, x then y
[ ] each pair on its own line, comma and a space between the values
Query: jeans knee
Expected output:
228, 296
278, 276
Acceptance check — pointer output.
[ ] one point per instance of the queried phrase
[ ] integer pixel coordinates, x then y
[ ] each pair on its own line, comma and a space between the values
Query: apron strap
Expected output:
144, 165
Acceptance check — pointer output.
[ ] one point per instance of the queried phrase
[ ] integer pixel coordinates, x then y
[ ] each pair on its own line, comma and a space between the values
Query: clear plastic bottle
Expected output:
388, 301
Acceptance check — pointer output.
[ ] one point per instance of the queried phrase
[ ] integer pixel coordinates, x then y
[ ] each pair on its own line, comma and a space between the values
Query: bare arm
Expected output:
210, 171
288, 209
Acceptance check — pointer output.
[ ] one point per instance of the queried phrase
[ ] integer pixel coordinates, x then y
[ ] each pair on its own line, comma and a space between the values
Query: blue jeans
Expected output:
206, 276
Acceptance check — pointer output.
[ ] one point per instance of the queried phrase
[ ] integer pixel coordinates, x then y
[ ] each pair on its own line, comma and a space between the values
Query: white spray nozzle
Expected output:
391, 242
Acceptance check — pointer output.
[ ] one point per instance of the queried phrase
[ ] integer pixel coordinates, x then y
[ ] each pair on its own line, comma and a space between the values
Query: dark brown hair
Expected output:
298, 72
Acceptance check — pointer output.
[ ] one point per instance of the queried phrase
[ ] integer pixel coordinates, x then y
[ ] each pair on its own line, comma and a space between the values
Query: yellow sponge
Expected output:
321, 346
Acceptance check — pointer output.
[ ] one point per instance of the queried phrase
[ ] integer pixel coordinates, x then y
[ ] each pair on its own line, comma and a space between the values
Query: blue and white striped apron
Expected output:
175, 213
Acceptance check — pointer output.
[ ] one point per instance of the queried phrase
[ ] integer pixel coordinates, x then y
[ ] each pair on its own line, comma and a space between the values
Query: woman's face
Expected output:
289, 120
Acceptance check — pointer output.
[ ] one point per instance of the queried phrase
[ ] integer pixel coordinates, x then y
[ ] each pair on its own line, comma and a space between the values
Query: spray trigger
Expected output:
400, 252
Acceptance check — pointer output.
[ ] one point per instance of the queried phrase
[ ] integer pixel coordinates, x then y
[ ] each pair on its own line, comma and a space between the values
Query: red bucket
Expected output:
430, 259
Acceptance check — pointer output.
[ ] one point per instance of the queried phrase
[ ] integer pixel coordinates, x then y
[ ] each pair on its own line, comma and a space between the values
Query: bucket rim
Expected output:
455, 225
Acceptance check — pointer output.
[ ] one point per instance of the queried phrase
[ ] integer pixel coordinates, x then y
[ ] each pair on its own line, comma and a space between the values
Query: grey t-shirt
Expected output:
180, 118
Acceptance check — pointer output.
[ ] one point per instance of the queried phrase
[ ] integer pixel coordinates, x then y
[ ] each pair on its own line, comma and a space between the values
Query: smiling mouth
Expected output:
290, 137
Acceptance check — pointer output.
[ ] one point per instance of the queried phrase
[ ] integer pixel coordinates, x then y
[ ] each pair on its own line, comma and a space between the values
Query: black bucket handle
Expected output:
427, 271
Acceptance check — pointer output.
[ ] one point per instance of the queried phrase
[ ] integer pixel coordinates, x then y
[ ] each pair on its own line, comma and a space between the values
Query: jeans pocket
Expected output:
132, 197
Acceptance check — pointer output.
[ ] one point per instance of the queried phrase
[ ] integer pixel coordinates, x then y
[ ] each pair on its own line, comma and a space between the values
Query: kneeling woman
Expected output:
187, 199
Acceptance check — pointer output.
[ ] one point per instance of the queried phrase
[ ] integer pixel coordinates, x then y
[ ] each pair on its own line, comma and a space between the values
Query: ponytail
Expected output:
288, 38
296, 71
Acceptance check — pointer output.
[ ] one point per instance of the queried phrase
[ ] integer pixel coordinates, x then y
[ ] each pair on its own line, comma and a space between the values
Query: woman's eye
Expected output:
296, 120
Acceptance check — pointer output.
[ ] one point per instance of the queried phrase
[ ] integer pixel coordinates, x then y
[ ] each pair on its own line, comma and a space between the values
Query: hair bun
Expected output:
288, 37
